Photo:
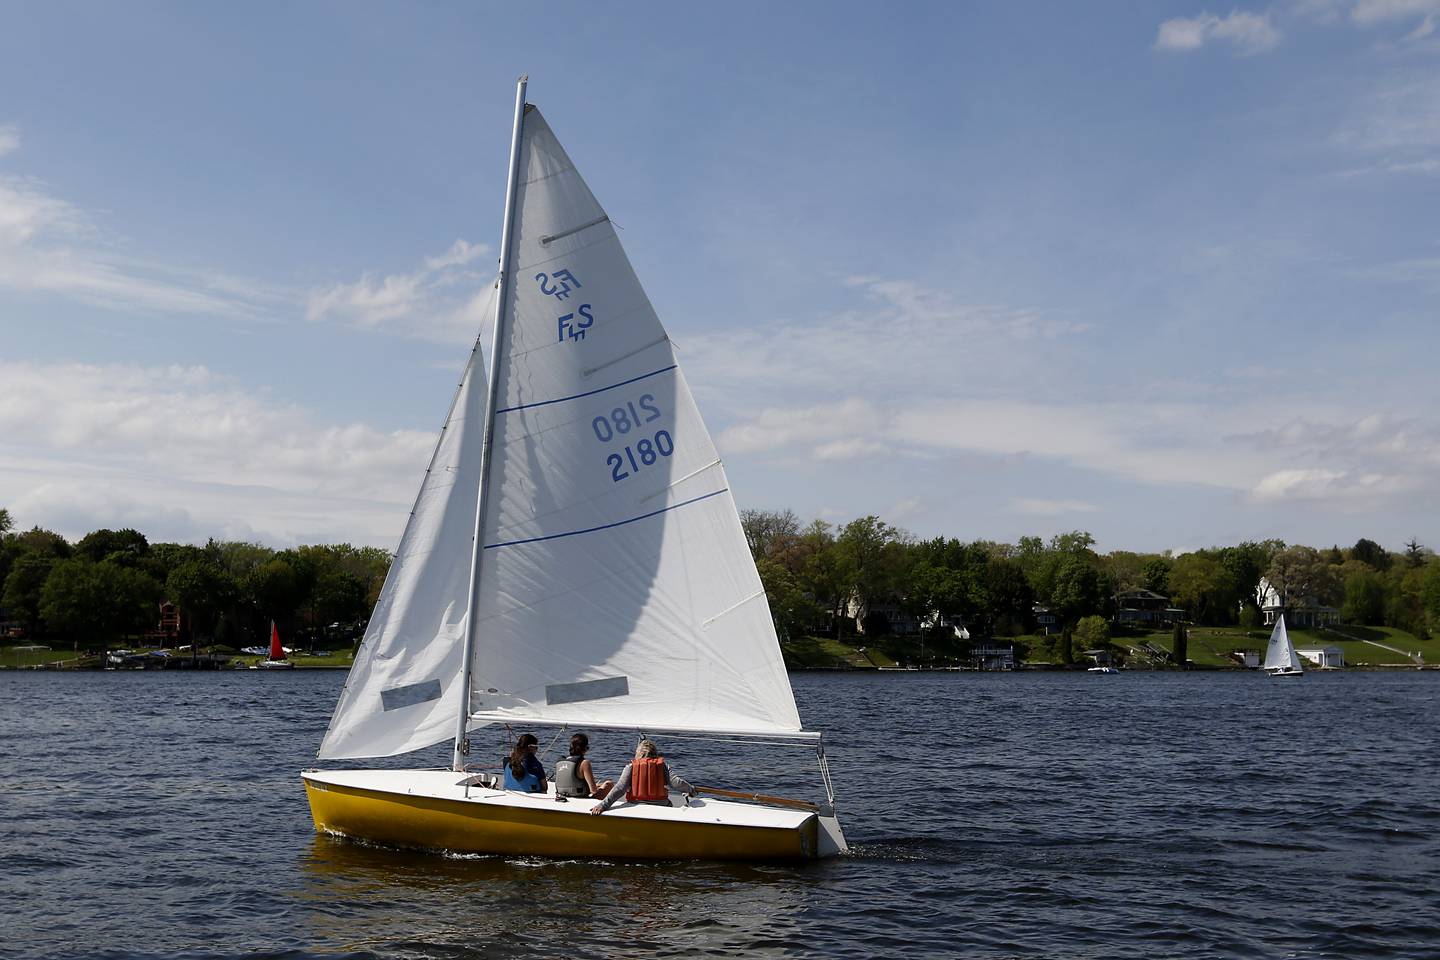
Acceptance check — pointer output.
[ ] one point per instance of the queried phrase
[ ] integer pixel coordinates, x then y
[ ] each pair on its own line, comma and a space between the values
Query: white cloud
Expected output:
49, 246
9, 138
1248, 33
898, 333
184, 450
1337, 488
1370, 12
427, 302
839, 431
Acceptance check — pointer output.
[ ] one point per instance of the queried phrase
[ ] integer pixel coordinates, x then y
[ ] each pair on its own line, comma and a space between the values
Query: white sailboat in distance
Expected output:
574, 559
1281, 660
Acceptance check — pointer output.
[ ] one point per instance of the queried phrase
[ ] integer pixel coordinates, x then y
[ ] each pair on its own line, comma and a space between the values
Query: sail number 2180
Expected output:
637, 454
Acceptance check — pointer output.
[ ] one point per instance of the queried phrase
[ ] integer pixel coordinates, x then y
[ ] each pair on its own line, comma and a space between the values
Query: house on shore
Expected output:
1306, 612
993, 655
1146, 607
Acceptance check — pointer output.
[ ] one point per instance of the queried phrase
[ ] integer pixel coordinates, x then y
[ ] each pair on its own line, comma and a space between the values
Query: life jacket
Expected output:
528, 783
568, 782
647, 781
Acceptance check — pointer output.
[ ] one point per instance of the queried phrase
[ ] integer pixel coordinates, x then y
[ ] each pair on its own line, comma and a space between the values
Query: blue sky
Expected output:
1167, 272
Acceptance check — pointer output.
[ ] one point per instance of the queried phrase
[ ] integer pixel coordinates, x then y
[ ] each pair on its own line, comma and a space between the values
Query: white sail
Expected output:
1280, 653
615, 583
403, 692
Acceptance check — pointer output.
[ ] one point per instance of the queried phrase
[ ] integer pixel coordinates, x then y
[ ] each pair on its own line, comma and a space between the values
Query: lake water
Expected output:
1023, 815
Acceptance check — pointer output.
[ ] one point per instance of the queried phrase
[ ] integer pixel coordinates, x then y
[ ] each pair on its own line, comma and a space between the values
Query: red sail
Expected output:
276, 652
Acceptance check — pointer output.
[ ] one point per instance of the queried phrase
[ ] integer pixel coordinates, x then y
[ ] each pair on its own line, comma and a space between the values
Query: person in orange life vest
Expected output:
646, 779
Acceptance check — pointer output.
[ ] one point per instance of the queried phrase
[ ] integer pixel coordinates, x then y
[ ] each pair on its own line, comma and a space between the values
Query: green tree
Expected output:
1201, 584
43, 543
1371, 553
5, 522
1064, 647
1093, 633
1246, 563
23, 586
126, 547
793, 610
1430, 594
203, 591
1299, 574
280, 586
1077, 589
1009, 601
869, 552
338, 596
1364, 598
769, 532
1155, 575
1414, 553
96, 603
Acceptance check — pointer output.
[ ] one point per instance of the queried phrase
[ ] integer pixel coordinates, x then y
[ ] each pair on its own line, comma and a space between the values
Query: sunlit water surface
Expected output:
1025, 815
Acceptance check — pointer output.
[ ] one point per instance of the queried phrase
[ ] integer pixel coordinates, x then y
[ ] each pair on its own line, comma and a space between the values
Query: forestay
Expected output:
403, 692
615, 584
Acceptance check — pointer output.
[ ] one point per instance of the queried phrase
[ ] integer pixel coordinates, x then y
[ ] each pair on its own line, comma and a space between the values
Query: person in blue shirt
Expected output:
523, 770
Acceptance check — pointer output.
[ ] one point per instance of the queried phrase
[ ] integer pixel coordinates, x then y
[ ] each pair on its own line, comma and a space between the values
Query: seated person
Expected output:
574, 777
646, 779
523, 770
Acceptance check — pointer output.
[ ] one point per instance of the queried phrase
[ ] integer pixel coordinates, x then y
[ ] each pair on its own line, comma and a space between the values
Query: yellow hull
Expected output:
410, 820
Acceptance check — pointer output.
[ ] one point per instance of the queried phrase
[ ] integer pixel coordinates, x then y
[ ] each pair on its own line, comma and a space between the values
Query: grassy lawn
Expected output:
13, 657
822, 653
336, 658
1210, 646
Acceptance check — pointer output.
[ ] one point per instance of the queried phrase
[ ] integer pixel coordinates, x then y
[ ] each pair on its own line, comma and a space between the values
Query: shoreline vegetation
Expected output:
862, 596
801, 655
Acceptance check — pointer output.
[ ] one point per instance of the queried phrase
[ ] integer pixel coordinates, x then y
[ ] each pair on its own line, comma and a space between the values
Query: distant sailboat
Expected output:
276, 660
1281, 660
574, 559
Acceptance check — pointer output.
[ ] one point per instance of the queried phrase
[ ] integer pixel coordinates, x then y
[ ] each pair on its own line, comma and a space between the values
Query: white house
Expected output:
1326, 658
1299, 611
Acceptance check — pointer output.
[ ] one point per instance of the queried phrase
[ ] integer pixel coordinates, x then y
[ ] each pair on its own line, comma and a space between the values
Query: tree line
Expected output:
108, 586
826, 579
820, 579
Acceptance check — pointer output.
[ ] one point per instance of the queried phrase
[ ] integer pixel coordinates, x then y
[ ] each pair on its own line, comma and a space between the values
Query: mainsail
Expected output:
615, 585
403, 692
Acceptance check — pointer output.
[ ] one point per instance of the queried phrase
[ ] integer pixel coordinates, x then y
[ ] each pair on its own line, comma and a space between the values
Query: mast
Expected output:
492, 391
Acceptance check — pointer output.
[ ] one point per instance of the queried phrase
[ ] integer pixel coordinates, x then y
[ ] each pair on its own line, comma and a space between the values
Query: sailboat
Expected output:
276, 658
574, 559
1281, 660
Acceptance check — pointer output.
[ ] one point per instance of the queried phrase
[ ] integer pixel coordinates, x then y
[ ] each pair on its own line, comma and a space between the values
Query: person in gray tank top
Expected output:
574, 776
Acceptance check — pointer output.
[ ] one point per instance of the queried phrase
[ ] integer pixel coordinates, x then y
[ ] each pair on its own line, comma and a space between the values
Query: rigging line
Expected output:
607, 526
736, 605
588, 393
546, 241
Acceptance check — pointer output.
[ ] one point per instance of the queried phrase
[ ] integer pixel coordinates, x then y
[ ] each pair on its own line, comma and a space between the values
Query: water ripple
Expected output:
1187, 816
